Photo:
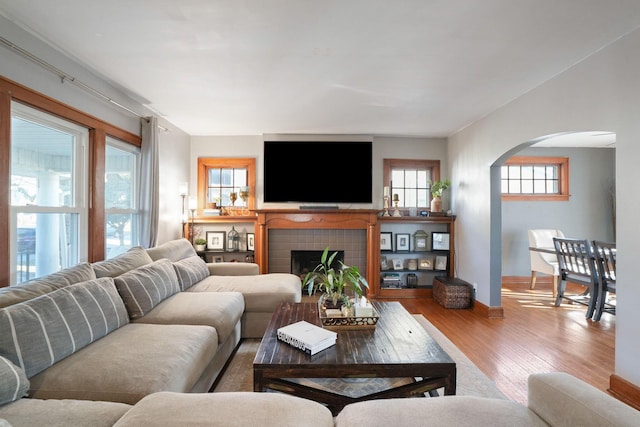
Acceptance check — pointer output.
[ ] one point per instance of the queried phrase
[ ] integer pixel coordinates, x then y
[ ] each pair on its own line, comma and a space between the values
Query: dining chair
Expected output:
577, 265
544, 262
605, 259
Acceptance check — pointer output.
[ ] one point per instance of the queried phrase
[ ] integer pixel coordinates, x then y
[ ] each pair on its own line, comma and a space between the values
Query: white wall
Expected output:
599, 93
383, 147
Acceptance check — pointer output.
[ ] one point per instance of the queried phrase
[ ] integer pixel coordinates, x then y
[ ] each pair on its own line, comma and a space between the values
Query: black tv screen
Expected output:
326, 172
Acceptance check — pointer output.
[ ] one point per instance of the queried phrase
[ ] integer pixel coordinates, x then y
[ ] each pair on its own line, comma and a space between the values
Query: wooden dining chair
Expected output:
605, 259
577, 265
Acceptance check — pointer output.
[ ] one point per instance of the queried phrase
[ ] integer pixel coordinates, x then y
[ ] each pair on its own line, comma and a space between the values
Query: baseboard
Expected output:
625, 391
488, 312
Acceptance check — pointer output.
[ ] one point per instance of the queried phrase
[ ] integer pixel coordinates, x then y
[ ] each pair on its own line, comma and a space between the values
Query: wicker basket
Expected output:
450, 292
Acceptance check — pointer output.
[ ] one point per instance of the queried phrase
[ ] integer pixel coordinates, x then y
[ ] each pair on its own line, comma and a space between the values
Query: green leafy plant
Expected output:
334, 281
437, 187
200, 241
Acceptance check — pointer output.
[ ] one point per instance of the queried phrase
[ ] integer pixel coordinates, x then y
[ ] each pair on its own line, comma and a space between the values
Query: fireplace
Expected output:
303, 262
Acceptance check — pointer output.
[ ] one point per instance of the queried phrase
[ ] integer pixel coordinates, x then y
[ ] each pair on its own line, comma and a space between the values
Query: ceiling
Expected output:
373, 67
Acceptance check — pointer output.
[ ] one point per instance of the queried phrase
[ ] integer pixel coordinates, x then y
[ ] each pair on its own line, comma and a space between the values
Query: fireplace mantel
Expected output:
340, 219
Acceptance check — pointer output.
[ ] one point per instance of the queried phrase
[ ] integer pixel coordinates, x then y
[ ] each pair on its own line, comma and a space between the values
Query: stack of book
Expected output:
391, 280
307, 337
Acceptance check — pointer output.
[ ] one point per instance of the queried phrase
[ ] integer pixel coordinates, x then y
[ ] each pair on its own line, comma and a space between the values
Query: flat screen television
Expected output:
318, 172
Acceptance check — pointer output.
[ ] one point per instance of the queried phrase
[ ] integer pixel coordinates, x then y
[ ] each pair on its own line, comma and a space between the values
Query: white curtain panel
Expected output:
148, 199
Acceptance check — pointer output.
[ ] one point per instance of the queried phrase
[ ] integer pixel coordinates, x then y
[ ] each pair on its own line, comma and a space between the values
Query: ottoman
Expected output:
451, 292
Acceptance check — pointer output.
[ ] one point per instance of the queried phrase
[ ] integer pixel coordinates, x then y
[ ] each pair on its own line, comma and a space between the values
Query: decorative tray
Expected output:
339, 322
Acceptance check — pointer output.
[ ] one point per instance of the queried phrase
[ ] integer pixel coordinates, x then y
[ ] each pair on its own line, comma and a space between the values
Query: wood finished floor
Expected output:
534, 336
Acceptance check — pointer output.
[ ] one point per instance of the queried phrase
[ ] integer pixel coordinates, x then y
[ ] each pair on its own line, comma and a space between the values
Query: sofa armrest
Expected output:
233, 269
562, 399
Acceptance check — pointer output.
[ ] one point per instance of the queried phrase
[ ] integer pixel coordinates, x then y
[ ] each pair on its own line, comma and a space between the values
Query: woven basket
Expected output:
450, 292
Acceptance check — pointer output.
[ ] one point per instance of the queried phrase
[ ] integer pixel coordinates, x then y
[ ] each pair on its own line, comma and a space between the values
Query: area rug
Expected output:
238, 376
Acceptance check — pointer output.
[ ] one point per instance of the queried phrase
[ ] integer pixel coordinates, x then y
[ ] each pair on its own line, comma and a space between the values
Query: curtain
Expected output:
148, 199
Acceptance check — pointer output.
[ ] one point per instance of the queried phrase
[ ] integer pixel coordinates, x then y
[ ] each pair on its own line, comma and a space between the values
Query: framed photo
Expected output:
440, 241
425, 264
251, 241
398, 264
384, 264
215, 240
218, 259
441, 262
385, 241
402, 242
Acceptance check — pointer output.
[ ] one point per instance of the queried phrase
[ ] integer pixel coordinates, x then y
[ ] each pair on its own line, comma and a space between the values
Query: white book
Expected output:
307, 337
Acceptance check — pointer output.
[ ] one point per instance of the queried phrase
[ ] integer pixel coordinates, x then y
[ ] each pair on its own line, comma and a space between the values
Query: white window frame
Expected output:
80, 184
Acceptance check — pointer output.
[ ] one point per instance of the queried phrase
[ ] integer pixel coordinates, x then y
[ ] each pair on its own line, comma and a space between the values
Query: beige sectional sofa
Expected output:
139, 340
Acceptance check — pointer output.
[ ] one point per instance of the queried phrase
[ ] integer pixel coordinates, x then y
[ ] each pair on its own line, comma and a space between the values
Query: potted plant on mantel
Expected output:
437, 188
332, 282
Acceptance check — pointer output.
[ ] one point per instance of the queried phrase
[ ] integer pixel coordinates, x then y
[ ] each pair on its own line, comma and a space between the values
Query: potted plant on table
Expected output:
437, 188
333, 282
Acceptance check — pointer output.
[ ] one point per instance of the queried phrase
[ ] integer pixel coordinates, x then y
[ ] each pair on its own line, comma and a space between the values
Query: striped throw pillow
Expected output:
190, 271
13, 382
37, 333
145, 287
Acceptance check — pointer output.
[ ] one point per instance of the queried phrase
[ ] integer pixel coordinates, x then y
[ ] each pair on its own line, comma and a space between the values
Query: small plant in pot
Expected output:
437, 188
334, 282
200, 244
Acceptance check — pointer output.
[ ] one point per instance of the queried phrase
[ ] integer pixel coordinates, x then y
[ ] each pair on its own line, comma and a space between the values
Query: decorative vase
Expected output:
436, 204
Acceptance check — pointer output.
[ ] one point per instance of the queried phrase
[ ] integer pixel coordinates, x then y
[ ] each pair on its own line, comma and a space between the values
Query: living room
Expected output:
599, 92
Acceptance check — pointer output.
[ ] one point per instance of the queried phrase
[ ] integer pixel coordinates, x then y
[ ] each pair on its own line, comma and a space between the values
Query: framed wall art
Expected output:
402, 242
398, 264
425, 263
215, 240
385, 241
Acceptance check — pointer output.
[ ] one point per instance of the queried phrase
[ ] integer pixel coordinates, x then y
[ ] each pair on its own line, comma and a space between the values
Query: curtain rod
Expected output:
66, 77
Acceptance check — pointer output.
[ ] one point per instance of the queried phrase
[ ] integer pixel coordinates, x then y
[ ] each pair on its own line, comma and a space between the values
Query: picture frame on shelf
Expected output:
384, 263
402, 242
386, 243
251, 241
398, 264
215, 240
425, 263
439, 241
441, 262
218, 259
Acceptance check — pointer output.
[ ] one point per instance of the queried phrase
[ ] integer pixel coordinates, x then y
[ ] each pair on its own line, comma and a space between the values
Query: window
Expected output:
48, 193
219, 178
121, 189
535, 178
409, 179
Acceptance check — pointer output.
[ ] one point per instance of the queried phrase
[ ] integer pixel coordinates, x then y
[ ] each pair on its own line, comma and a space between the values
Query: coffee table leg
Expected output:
257, 380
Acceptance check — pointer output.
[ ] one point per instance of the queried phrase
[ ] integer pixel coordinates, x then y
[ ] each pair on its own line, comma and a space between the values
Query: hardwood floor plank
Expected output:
534, 336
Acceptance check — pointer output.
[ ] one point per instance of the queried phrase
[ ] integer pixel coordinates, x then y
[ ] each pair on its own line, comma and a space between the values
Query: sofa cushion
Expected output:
129, 260
13, 381
38, 333
130, 363
190, 271
262, 293
222, 310
25, 291
437, 411
175, 250
227, 409
62, 413
145, 287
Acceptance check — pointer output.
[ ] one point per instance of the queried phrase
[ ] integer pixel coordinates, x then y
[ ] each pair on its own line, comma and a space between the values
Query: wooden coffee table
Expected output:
398, 348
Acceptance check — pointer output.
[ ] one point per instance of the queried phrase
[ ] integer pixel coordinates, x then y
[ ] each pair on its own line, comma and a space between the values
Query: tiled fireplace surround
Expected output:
283, 241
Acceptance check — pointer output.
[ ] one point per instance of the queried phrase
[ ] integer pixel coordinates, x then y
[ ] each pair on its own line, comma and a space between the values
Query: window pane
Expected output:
120, 178
42, 162
214, 177
45, 243
120, 233
397, 178
527, 186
